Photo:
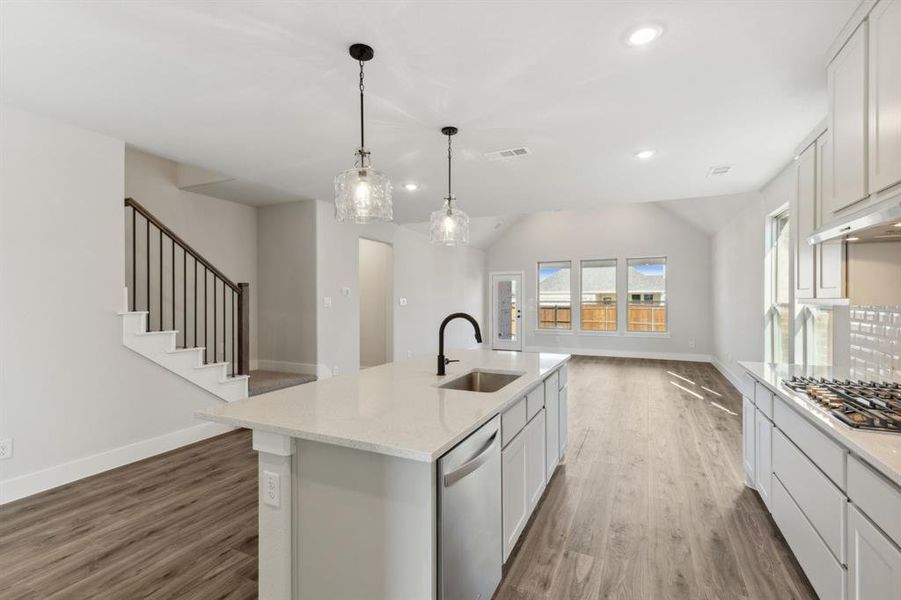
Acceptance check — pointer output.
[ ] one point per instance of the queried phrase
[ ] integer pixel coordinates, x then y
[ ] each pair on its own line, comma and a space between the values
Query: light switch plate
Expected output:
402, 301
345, 291
327, 302
272, 493
6, 449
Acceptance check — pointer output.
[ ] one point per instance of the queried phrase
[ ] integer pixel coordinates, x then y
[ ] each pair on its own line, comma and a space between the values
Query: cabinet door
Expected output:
763, 456
747, 437
829, 257
564, 422
515, 499
874, 562
552, 426
885, 95
535, 460
847, 75
804, 217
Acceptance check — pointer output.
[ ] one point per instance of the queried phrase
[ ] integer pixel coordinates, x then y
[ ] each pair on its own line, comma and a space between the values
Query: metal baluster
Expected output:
148, 272
184, 294
195, 302
206, 337
234, 335
224, 330
173, 292
215, 322
161, 279
134, 259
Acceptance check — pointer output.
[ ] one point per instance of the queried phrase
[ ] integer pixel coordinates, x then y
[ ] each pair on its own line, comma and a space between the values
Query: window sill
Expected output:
592, 333
554, 331
648, 334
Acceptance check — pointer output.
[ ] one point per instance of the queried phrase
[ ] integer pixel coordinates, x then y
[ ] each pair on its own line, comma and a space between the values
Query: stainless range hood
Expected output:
876, 223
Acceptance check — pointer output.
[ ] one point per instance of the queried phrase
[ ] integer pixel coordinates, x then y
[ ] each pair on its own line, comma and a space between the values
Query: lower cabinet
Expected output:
564, 422
763, 456
874, 562
748, 420
523, 478
552, 412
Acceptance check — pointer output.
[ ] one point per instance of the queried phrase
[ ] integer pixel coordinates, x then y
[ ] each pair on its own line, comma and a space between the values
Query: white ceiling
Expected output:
265, 91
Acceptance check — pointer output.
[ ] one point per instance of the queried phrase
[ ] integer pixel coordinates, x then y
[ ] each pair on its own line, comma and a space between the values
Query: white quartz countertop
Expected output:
394, 409
882, 450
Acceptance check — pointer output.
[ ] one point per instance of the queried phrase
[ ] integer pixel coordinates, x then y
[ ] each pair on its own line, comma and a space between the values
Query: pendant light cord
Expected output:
449, 200
362, 135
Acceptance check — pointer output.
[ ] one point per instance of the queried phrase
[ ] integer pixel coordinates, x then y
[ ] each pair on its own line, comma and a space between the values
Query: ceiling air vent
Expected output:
507, 154
719, 171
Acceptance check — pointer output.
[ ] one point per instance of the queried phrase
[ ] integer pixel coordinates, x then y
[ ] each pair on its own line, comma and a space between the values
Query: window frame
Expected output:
615, 264
773, 317
553, 330
641, 302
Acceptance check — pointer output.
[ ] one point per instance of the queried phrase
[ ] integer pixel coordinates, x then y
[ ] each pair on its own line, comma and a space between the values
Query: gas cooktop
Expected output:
861, 404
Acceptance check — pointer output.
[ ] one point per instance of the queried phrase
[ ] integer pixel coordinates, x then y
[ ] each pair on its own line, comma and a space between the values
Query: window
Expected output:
647, 295
598, 299
554, 295
780, 299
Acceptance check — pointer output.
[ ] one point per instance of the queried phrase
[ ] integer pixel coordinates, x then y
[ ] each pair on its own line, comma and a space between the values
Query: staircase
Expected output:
181, 312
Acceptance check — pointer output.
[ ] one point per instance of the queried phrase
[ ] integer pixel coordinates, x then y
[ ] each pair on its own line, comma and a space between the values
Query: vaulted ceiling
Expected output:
265, 91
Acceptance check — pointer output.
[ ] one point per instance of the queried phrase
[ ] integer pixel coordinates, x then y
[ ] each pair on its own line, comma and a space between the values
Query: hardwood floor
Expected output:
650, 503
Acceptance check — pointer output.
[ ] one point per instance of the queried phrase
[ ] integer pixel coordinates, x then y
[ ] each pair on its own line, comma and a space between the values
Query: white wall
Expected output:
223, 232
286, 255
435, 280
619, 231
72, 397
376, 303
738, 276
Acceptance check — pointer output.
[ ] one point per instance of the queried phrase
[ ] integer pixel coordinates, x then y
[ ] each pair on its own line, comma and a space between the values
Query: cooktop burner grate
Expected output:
861, 404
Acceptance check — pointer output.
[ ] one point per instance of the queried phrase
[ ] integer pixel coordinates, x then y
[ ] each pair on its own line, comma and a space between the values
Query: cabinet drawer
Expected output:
826, 575
763, 399
878, 498
822, 503
535, 401
564, 376
512, 421
825, 454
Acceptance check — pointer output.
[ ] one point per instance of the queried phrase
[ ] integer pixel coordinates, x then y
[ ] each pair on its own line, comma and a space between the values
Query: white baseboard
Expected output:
623, 353
286, 367
46, 479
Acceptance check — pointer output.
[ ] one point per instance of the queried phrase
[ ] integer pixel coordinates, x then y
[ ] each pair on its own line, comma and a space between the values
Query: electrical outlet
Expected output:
691, 343
6, 449
345, 291
272, 492
327, 302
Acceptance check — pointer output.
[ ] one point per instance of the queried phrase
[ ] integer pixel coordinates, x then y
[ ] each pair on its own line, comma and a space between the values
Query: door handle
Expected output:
470, 465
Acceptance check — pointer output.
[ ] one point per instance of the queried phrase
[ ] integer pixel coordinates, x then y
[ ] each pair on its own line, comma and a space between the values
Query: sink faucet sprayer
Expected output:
442, 361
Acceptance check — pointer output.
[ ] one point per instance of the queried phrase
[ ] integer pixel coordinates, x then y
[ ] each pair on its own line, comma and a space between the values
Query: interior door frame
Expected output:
491, 299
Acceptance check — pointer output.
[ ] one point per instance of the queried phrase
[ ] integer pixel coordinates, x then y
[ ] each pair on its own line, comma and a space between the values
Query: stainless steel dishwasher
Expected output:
470, 536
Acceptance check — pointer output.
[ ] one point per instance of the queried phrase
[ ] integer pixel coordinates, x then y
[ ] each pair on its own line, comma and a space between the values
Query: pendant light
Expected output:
362, 194
450, 225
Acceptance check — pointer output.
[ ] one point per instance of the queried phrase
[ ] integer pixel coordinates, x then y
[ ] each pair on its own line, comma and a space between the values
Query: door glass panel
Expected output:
507, 303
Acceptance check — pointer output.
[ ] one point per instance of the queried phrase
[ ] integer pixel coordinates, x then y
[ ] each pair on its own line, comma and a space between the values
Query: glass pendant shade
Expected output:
449, 226
363, 195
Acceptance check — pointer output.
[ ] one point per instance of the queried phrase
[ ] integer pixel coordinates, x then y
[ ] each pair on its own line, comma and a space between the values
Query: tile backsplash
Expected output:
876, 343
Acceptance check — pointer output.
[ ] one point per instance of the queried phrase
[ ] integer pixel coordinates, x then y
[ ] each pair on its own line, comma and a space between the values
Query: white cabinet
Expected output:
874, 562
552, 426
748, 417
763, 456
523, 477
829, 257
847, 76
804, 216
535, 461
564, 422
885, 95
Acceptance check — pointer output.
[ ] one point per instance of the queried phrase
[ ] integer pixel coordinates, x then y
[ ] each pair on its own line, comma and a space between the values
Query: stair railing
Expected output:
206, 314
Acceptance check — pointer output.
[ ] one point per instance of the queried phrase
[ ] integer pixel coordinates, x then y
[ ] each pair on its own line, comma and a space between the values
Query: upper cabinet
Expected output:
804, 215
885, 95
829, 257
847, 75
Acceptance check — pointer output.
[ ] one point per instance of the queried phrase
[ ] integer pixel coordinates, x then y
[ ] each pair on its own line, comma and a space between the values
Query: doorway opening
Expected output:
376, 302
506, 311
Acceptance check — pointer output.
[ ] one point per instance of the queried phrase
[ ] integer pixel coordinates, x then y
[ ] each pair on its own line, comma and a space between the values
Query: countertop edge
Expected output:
394, 451
803, 407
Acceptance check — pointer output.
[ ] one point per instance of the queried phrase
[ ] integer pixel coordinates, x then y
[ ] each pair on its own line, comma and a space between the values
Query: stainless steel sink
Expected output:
481, 381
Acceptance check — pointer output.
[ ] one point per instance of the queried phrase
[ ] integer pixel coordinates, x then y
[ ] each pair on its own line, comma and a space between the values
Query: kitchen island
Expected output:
348, 468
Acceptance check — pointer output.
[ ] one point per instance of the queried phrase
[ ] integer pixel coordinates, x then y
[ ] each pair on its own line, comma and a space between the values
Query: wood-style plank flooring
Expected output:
650, 503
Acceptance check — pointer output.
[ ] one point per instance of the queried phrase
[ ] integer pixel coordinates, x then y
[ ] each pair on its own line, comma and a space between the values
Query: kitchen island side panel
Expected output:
365, 525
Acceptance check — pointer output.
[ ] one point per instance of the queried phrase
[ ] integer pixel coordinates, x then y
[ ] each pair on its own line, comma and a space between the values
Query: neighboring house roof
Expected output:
599, 281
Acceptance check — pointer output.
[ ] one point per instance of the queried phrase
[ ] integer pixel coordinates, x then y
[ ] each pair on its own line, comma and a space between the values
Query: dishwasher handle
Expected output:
472, 464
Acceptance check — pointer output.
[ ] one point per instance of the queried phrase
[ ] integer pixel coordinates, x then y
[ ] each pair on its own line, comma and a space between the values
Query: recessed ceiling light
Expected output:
644, 34
645, 154
411, 187
852, 239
